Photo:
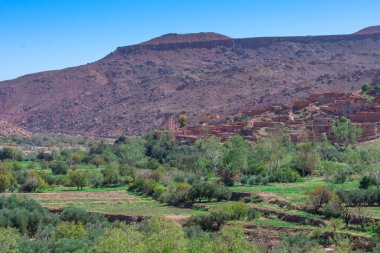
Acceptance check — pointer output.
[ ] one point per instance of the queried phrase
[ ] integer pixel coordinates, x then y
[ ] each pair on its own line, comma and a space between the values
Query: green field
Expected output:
295, 192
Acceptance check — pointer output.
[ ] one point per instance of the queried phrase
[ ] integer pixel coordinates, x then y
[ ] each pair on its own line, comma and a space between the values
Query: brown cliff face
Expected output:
130, 90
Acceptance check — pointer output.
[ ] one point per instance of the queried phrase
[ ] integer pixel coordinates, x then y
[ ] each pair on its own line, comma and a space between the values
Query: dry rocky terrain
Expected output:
132, 89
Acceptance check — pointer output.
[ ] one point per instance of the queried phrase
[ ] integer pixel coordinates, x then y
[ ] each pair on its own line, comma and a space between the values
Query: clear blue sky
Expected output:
37, 35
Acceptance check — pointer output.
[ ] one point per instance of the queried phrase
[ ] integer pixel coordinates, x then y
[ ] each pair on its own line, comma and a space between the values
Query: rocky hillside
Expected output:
8, 129
132, 89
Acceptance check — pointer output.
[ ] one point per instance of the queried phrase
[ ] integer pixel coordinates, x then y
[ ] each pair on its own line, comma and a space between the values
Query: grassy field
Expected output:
108, 201
294, 192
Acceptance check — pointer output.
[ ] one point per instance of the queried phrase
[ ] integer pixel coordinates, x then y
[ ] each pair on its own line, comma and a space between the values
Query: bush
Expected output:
366, 182
70, 245
7, 179
366, 87
284, 176
25, 215
234, 210
77, 215
222, 193
69, 230
59, 168
95, 178
253, 214
340, 177
232, 239
176, 194
212, 221
9, 240
33, 182
252, 180
10, 154
244, 179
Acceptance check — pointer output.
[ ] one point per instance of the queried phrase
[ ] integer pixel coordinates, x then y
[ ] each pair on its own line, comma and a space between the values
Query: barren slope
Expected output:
131, 89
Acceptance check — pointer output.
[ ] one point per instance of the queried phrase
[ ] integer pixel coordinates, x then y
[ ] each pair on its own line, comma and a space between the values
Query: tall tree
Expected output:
345, 133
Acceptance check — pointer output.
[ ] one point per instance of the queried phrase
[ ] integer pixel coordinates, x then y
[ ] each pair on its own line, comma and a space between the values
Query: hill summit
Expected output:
183, 38
370, 30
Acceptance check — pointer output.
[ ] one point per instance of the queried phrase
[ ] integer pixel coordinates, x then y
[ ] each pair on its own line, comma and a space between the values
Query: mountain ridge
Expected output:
131, 89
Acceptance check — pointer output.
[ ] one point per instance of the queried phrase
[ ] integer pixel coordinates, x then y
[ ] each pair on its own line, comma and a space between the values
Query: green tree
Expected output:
132, 153
111, 174
97, 160
182, 120
366, 87
306, 158
176, 194
235, 159
270, 150
345, 133
211, 152
79, 178
320, 196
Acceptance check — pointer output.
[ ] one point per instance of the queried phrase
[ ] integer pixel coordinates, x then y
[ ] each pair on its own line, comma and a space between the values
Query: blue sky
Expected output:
37, 35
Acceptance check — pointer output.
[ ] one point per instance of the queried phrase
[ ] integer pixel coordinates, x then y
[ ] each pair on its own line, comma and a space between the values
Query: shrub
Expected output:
9, 240
59, 168
252, 180
285, 176
33, 182
115, 241
95, 178
70, 230
299, 243
222, 193
111, 174
7, 179
244, 179
158, 190
231, 239
366, 87
334, 208
234, 210
176, 194
77, 215
212, 221
8, 153
366, 182
340, 177
253, 214
71, 245
163, 235
25, 215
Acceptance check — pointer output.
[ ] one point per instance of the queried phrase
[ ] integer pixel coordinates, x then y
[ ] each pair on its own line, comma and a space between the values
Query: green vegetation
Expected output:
215, 189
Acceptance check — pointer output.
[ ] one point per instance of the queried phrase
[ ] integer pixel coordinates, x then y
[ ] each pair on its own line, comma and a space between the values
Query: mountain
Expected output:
132, 89
8, 129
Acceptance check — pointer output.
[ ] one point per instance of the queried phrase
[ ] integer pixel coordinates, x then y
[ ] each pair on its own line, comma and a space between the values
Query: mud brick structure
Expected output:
366, 117
307, 118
